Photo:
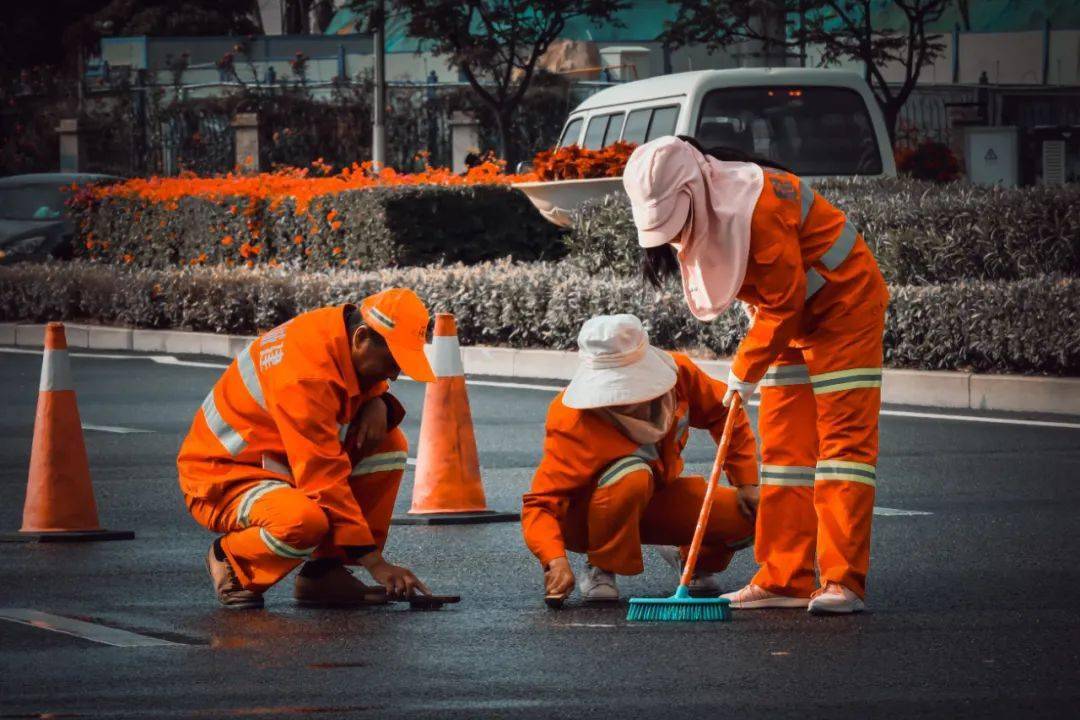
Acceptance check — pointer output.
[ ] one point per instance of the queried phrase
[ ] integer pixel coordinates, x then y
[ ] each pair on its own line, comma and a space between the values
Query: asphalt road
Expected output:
975, 607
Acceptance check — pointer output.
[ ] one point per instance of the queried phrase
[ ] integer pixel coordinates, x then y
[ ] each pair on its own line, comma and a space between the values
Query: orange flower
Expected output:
336, 225
227, 240
298, 240
129, 258
89, 244
331, 215
336, 251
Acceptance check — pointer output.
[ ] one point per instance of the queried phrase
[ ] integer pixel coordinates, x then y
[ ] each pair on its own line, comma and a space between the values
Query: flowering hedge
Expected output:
577, 163
1025, 326
921, 233
290, 218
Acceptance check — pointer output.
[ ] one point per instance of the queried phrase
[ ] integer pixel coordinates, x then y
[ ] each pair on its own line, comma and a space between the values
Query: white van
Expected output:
819, 123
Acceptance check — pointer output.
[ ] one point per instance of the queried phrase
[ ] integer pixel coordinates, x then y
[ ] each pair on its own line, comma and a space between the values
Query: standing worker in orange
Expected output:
816, 298
611, 476
296, 456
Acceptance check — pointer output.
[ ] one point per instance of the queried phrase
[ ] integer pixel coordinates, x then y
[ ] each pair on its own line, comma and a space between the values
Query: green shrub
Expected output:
920, 232
1025, 326
372, 228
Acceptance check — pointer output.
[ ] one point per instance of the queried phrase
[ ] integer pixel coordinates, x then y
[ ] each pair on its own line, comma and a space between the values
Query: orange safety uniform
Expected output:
598, 492
270, 459
815, 345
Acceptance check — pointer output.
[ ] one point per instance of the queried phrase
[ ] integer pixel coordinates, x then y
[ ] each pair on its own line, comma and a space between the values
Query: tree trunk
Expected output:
891, 111
504, 123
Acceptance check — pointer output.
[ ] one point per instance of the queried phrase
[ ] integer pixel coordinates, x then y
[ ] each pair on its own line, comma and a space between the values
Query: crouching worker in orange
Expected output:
611, 476
296, 456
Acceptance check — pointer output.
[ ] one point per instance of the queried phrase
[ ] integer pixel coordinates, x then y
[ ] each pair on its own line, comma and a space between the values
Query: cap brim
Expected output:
670, 228
649, 378
413, 362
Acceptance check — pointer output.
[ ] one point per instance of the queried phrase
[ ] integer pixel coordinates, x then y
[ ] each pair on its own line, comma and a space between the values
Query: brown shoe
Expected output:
335, 586
227, 587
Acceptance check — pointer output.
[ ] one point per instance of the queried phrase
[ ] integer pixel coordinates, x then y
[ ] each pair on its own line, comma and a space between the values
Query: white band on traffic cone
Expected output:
55, 372
444, 354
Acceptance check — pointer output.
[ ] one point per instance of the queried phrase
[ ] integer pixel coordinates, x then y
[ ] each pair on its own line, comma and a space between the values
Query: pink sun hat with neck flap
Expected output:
669, 183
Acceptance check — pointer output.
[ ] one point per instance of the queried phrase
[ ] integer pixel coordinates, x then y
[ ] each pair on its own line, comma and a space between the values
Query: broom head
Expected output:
680, 607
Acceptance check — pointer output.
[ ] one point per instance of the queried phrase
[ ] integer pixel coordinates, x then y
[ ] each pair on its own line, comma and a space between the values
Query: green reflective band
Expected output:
620, 469
381, 462
243, 513
847, 471
779, 375
846, 380
807, 197
246, 366
787, 475
283, 549
381, 318
841, 247
814, 282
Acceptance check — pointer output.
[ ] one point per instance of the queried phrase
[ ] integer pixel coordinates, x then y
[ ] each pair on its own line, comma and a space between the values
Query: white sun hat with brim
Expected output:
617, 365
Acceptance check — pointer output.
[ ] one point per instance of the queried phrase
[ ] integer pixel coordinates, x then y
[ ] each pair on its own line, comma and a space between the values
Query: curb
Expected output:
924, 388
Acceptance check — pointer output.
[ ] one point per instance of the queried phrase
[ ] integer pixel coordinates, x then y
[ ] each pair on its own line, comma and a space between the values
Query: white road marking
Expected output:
170, 360
115, 429
894, 511
590, 625
80, 629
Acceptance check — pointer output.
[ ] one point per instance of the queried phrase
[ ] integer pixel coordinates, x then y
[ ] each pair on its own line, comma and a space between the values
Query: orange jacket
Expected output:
580, 447
282, 410
808, 266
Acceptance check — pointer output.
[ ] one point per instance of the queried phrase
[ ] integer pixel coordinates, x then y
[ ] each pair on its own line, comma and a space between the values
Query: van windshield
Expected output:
811, 130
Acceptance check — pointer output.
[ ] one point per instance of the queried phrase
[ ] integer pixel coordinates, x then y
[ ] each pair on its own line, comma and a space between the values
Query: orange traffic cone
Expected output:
447, 489
60, 503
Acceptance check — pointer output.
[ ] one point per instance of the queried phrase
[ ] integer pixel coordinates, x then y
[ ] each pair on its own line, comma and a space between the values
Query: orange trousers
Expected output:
818, 423
614, 522
270, 527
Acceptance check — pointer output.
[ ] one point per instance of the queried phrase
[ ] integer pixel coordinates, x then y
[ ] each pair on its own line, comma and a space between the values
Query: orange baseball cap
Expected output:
400, 316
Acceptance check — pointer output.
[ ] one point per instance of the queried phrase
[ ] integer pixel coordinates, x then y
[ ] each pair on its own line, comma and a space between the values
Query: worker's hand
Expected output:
371, 425
558, 578
748, 497
399, 582
735, 385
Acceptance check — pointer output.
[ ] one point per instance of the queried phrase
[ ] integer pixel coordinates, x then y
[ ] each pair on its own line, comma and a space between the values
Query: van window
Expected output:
650, 123
570, 134
637, 124
812, 130
594, 134
663, 122
614, 128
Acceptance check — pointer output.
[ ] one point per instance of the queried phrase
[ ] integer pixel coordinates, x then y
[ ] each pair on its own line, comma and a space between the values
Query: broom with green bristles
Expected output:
681, 606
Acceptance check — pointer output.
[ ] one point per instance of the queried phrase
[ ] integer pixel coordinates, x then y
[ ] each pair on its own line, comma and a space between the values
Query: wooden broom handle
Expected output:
714, 480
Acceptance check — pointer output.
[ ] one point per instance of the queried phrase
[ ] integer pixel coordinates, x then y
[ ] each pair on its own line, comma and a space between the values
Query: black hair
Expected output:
660, 263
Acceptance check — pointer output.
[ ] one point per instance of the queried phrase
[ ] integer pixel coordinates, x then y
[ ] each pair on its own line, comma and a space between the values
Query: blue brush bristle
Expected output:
680, 607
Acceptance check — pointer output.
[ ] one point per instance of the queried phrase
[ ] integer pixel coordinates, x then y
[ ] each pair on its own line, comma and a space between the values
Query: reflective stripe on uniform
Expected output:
847, 471
786, 375
382, 462
846, 380
283, 549
273, 465
343, 430
787, 475
243, 513
682, 426
840, 248
246, 366
223, 431
620, 469
806, 194
814, 282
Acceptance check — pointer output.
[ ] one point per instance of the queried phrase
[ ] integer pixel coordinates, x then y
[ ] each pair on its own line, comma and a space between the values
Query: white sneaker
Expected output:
703, 585
835, 599
755, 597
598, 585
